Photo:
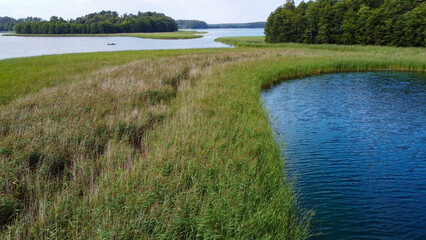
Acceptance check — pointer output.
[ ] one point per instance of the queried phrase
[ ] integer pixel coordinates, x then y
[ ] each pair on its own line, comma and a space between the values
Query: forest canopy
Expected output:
7, 23
102, 22
365, 22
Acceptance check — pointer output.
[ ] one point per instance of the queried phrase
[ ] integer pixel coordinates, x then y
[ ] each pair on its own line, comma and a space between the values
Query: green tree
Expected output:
102, 22
415, 27
379, 22
362, 35
349, 28
290, 24
326, 30
311, 19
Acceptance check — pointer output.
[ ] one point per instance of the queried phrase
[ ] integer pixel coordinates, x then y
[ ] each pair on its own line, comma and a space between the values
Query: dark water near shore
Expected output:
355, 145
15, 47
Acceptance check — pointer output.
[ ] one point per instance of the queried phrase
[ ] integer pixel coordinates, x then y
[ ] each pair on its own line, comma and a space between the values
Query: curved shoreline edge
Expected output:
179, 35
213, 168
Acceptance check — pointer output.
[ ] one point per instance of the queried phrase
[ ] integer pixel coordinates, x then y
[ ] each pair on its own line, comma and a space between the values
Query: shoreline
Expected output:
160, 35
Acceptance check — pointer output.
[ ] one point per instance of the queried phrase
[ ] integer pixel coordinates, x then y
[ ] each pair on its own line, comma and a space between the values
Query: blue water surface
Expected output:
355, 145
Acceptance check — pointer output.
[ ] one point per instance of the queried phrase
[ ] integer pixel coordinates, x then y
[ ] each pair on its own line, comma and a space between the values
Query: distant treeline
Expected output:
239, 25
102, 22
191, 24
366, 22
7, 23
196, 24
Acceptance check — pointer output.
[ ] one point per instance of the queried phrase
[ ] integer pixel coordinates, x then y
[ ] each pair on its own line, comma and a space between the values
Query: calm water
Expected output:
13, 47
355, 144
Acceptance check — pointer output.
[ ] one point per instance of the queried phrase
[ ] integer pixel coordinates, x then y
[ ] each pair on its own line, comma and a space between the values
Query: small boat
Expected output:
112, 44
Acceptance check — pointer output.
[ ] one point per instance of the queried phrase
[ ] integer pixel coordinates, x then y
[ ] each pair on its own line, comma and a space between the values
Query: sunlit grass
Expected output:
157, 144
259, 42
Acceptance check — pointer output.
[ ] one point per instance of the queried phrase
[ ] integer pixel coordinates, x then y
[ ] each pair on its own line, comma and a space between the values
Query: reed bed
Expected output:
162, 145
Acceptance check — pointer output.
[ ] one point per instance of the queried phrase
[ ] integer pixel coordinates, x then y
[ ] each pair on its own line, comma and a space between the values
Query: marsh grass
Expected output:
161, 145
22, 76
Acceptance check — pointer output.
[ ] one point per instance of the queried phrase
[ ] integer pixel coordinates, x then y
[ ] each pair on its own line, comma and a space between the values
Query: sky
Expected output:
211, 11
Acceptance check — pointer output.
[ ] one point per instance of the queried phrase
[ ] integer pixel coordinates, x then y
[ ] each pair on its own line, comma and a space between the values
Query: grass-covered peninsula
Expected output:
158, 144
162, 35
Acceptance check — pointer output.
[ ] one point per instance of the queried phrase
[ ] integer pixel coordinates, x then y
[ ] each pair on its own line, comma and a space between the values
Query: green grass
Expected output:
165, 35
158, 144
259, 42
21, 76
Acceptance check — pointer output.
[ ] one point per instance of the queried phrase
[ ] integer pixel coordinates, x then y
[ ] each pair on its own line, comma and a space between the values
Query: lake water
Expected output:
14, 47
355, 146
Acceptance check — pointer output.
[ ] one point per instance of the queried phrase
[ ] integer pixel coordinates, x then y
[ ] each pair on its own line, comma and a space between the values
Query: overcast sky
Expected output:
211, 11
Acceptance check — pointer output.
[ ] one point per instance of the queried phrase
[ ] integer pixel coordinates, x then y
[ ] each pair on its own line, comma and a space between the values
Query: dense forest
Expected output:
102, 22
366, 22
196, 24
7, 23
191, 24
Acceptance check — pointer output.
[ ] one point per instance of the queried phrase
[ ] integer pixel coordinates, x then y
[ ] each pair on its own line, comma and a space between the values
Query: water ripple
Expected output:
356, 149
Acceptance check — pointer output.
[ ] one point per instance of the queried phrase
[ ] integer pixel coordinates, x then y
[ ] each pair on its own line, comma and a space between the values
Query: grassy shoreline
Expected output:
175, 144
161, 36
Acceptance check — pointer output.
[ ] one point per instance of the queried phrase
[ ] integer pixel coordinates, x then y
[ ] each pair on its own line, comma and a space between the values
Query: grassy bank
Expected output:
165, 35
158, 144
259, 42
